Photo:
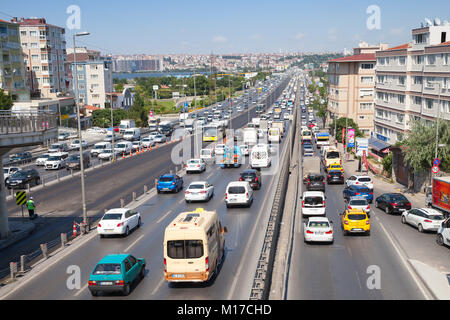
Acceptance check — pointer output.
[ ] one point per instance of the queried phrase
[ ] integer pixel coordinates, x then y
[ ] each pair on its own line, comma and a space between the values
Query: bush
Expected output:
387, 164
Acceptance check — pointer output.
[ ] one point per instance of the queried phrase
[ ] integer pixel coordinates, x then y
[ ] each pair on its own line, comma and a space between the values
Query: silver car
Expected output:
358, 203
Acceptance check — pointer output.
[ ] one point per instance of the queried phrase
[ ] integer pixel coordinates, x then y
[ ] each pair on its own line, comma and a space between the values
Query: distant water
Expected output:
155, 74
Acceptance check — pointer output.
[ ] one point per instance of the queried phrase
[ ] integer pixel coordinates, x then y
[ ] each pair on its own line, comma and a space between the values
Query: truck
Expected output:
264, 124
153, 123
250, 136
183, 116
126, 124
279, 125
232, 157
256, 121
311, 165
438, 194
189, 125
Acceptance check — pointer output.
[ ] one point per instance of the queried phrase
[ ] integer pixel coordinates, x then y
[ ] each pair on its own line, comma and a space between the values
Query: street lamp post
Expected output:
83, 195
113, 131
437, 125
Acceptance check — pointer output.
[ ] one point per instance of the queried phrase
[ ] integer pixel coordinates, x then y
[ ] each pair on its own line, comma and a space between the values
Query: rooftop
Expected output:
357, 57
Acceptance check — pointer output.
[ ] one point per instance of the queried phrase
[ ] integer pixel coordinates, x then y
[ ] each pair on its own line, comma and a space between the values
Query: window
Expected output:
418, 60
362, 117
365, 93
81, 77
418, 100
127, 266
420, 38
33, 33
23, 33
132, 260
400, 118
401, 80
94, 86
366, 65
34, 57
445, 59
24, 45
81, 86
95, 96
36, 68
429, 103
365, 106
44, 56
185, 249
401, 98
79, 68
44, 68
379, 113
402, 61
431, 59
366, 79
94, 76
417, 80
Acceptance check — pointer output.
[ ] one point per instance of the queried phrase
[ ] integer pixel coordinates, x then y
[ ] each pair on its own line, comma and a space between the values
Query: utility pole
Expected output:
437, 127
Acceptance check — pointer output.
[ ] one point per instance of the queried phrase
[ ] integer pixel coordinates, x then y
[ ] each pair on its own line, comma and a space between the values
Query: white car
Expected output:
153, 134
424, 219
160, 138
75, 145
443, 234
358, 203
360, 180
107, 154
40, 161
260, 133
148, 142
219, 149
119, 221
313, 203
207, 154
99, 147
239, 193
199, 191
56, 161
7, 172
318, 229
195, 165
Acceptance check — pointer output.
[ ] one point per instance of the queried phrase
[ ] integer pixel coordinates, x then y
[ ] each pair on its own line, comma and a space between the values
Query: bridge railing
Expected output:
16, 122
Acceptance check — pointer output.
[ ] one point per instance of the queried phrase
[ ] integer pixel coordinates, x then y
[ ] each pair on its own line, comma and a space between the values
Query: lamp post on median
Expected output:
437, 124
83, 195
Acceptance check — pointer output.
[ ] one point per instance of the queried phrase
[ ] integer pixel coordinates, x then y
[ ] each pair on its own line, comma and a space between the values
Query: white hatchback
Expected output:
119, 222
195, 165
318, 229
360, 180
313, 203
424, 219
239, 193
199, 191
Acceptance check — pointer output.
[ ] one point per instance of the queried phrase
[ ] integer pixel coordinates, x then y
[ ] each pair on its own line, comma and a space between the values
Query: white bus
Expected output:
194, 246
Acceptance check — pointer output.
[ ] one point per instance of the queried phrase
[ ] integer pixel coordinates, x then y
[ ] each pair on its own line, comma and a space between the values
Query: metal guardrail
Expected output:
12, 122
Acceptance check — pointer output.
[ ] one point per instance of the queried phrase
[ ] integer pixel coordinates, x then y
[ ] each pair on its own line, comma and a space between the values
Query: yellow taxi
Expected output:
355, 221
335, 167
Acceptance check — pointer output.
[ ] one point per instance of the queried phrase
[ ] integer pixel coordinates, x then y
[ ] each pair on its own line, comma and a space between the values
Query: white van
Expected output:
313, 203
274, 135
239, 193
123, 146
194, 246
132, 134
259, 157
99, 147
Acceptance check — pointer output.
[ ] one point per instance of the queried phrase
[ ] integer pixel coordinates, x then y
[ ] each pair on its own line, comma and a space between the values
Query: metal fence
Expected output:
12, 122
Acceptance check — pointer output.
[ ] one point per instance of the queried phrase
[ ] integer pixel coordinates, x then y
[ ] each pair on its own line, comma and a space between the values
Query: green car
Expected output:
116, 273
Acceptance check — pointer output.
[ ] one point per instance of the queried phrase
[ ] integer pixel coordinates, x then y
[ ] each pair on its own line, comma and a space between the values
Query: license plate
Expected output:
357, 229
319, 232
249, 180
401, 210
106, 283
177, 275
108, 230
165, 189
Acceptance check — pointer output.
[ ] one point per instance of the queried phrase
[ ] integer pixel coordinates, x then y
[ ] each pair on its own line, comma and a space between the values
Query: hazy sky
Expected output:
161, 27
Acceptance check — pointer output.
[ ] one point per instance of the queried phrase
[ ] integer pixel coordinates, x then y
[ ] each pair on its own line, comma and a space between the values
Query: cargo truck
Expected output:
232, 157
126, 124
438, 195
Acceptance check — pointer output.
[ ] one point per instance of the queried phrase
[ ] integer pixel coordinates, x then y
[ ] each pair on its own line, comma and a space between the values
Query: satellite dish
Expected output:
428, 21
437, 21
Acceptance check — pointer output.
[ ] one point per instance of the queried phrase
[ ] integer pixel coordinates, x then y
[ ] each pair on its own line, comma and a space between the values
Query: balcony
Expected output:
391, 86
391, 68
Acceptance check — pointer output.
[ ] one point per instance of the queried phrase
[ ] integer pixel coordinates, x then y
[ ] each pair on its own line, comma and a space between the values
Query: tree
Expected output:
420, 144
387, 164
340, 124
6, 101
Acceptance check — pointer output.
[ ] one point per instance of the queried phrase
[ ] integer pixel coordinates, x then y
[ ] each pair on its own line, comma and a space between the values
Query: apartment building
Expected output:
413, 82
95, 78
44, 50
12, 71
351, 89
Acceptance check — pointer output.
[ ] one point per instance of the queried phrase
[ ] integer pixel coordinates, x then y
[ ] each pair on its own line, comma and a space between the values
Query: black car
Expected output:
20, 179
393, 203
315, 182
23, 157
73, 163
335, 176
253, 177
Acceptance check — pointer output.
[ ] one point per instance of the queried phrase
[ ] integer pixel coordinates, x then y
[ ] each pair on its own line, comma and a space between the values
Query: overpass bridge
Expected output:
21, 129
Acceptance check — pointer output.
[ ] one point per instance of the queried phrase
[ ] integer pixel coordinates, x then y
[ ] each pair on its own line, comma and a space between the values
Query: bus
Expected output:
213, 133
322, 139
194, 246
259, 108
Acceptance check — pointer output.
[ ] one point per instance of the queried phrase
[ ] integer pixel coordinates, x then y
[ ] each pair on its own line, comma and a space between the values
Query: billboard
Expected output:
351, 137
362, 145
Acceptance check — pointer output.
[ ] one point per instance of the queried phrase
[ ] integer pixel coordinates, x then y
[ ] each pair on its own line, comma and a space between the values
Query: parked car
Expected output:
392, 203
313, 203
195, 165
118, 221
116, 272
424, 219
7, 172
357, 190
318, 229
148, 142
21, 157
160, 138
74, 163
358, 203
107, 154
169, 182
360, 180
355, 221
443, 233
238, 193
20, 179
335, 176
199, 191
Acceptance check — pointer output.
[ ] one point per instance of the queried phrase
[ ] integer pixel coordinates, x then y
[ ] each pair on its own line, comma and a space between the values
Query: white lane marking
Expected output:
81, 290
210, 175
160, 283
131, 245
164, 216
406, 264
180, 201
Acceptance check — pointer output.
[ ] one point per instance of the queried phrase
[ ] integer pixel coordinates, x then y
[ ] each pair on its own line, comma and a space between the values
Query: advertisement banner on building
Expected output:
343, 135
351, 138
365, 160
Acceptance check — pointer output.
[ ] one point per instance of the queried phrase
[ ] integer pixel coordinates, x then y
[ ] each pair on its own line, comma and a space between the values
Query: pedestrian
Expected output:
31, 206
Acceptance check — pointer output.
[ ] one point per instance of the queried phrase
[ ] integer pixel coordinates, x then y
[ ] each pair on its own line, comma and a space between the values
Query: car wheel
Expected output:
139, 223
142, 273
158, 191
102, 236
94, 293
440, 239
368, 233
38, 181
126, 290
420, 228
387, 210
403, 220
376, 204
127, 232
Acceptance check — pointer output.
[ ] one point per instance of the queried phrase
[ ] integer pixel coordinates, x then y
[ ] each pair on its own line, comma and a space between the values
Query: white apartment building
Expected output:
412, 82
44, 49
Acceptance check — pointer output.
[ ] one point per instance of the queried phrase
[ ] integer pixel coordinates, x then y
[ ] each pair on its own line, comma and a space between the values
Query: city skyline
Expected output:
182, 28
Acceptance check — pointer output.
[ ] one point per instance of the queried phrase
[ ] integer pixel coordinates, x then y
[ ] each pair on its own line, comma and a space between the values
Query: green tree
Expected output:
387, 164
6, 101
340, 124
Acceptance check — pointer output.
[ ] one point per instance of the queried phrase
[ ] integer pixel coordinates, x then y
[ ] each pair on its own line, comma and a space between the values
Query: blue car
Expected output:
358, 190
170, 183
116, 273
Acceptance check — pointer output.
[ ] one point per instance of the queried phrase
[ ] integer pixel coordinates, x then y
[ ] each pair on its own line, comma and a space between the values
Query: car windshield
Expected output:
196, 186
121, 145
206, 152
193, 161
166, 179
313, 201
44, 156
356, 217
112, 216
54, 158
107, 151
333, 155
435, 217
398, 197
236, 190
364, 179
319, 224
316, 178
55, 146
74, 157
358, 202
306, 133
108, 268
100, 146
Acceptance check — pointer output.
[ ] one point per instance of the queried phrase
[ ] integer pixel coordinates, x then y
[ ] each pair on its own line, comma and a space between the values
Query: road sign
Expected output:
435, 169
437, 162
151, 113
21, 198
